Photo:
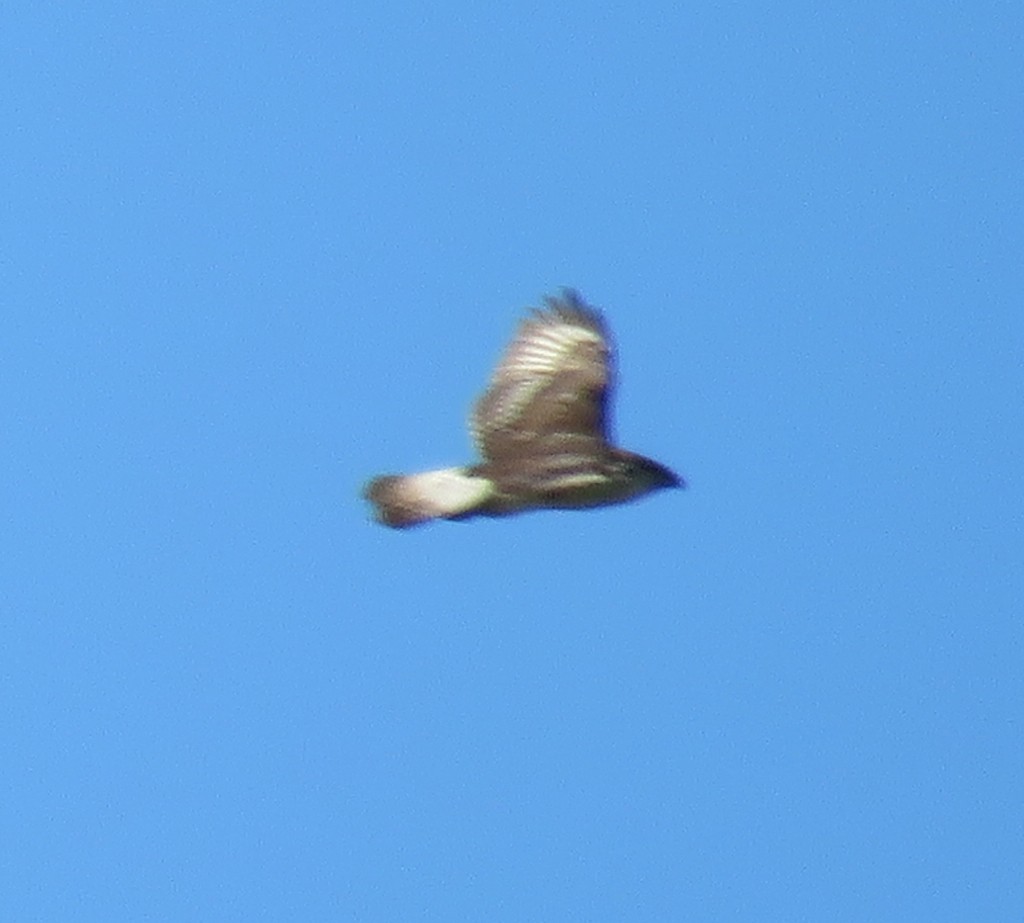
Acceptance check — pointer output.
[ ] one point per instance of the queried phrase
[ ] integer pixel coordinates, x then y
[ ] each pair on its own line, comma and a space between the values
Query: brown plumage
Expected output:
542, 431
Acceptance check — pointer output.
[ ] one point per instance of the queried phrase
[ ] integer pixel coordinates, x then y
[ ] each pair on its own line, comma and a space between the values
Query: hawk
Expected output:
541, 428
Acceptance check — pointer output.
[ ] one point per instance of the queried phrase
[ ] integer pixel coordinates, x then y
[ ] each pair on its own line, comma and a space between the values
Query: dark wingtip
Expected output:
572, 297
570, 305
568, 299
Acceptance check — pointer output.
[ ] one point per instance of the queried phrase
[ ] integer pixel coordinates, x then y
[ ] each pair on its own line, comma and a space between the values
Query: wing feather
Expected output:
551, 386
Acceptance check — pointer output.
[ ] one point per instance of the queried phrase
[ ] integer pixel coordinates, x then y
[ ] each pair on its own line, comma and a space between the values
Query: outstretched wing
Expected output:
550, 391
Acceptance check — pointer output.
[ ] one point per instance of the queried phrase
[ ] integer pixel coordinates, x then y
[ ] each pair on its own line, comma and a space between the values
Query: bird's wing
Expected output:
550, 391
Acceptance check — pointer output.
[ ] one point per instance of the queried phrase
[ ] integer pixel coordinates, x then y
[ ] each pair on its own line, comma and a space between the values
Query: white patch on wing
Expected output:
576, 480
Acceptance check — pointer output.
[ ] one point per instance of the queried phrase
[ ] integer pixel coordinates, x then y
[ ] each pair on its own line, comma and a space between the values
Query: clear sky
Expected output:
255, 254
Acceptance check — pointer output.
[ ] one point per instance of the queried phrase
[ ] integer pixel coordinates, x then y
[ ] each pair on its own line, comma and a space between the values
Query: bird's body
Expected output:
542, 431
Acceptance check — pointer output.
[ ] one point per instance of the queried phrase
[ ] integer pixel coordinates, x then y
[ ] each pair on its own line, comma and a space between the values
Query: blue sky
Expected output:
256, 254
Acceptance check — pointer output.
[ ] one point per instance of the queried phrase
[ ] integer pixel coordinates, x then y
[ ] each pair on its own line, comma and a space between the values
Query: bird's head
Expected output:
647, 472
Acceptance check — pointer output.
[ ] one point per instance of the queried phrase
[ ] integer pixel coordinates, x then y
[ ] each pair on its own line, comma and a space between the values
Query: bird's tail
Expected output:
407, 500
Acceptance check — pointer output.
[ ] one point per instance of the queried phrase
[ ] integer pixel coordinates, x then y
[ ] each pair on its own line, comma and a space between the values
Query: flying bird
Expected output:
542, 430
